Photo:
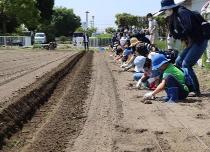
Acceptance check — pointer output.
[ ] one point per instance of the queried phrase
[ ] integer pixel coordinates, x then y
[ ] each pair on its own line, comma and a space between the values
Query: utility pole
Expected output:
87, 12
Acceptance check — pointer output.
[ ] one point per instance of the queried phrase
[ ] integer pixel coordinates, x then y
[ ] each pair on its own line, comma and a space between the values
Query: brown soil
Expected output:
23, 106
104, 111
20, 69
106, 115
118, 121
180, 127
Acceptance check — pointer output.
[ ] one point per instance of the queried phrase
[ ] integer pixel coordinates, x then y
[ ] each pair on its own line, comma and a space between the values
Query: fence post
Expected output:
5, 41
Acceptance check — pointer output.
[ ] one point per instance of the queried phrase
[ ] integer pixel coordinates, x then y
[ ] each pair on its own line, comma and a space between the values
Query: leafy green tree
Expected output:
46, 9
142, 22
65, 21
110, 30
126, 19
20, 12
49, 30
46, 14
89, 31
162, 24
8, 24
80, 30
4, 5
26, 12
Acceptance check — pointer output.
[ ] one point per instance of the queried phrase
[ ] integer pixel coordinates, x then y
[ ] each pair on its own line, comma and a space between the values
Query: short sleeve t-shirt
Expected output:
127, 52
139, 63
123, 41
177, 73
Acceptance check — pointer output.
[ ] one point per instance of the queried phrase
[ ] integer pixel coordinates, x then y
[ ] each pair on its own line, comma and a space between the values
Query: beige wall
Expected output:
194, 5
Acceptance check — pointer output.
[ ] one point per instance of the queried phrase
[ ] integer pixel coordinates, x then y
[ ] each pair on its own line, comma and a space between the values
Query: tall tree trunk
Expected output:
3, 17
4, 22
4, 26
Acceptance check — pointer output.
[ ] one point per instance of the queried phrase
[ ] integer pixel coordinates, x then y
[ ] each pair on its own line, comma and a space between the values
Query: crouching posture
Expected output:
172, 81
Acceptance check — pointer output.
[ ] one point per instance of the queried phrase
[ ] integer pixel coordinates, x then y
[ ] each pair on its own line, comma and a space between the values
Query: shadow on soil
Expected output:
206, 95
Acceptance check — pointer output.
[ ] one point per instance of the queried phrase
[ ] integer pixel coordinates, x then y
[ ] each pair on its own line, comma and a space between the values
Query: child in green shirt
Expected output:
173, 80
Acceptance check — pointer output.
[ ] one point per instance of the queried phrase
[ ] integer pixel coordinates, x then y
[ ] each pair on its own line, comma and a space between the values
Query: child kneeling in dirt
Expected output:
173, 80
139, 62
148, 78
151, 77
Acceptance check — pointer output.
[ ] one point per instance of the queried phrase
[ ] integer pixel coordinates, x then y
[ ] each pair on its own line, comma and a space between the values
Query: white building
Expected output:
194, 5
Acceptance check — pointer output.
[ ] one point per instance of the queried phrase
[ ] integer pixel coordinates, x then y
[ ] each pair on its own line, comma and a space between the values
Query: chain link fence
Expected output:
15, 41
99, 42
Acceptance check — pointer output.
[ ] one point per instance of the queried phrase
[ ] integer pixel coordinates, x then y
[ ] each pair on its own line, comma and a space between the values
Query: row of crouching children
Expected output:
154, 70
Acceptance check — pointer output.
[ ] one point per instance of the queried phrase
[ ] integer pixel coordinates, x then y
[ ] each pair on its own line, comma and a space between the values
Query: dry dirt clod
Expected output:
146, 101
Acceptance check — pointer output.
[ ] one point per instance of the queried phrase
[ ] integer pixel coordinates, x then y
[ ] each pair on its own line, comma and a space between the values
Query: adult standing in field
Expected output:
86, 41
184, 25
205, 12
152, 28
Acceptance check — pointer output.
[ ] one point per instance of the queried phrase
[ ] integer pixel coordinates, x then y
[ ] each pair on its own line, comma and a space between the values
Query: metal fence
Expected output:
99, 42
15, 40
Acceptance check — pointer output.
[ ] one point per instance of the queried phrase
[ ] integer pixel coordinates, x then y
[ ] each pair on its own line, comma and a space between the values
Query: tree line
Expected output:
37, 15
129, 20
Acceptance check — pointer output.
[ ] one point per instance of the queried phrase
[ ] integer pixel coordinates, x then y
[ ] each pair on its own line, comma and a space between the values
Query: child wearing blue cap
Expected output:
173, 80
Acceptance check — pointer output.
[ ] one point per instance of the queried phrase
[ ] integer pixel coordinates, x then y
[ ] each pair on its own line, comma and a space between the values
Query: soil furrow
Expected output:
30, 69
23, 106
104, 110
68, 117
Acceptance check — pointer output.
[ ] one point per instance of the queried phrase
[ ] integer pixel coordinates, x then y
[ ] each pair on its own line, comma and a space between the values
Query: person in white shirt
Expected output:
153, 28
123, 39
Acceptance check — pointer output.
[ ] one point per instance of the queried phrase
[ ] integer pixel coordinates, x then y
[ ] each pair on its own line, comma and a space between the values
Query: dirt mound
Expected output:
23, 106
66, 122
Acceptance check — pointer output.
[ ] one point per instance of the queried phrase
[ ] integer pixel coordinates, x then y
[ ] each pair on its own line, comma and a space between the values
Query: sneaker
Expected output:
171, 101
163, 99
195, 94
124, 65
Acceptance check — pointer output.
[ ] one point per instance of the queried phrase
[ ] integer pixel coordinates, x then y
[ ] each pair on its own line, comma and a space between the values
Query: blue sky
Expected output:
105, 10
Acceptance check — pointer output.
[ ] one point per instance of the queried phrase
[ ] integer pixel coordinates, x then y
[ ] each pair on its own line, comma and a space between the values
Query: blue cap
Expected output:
158, 60
167, 4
